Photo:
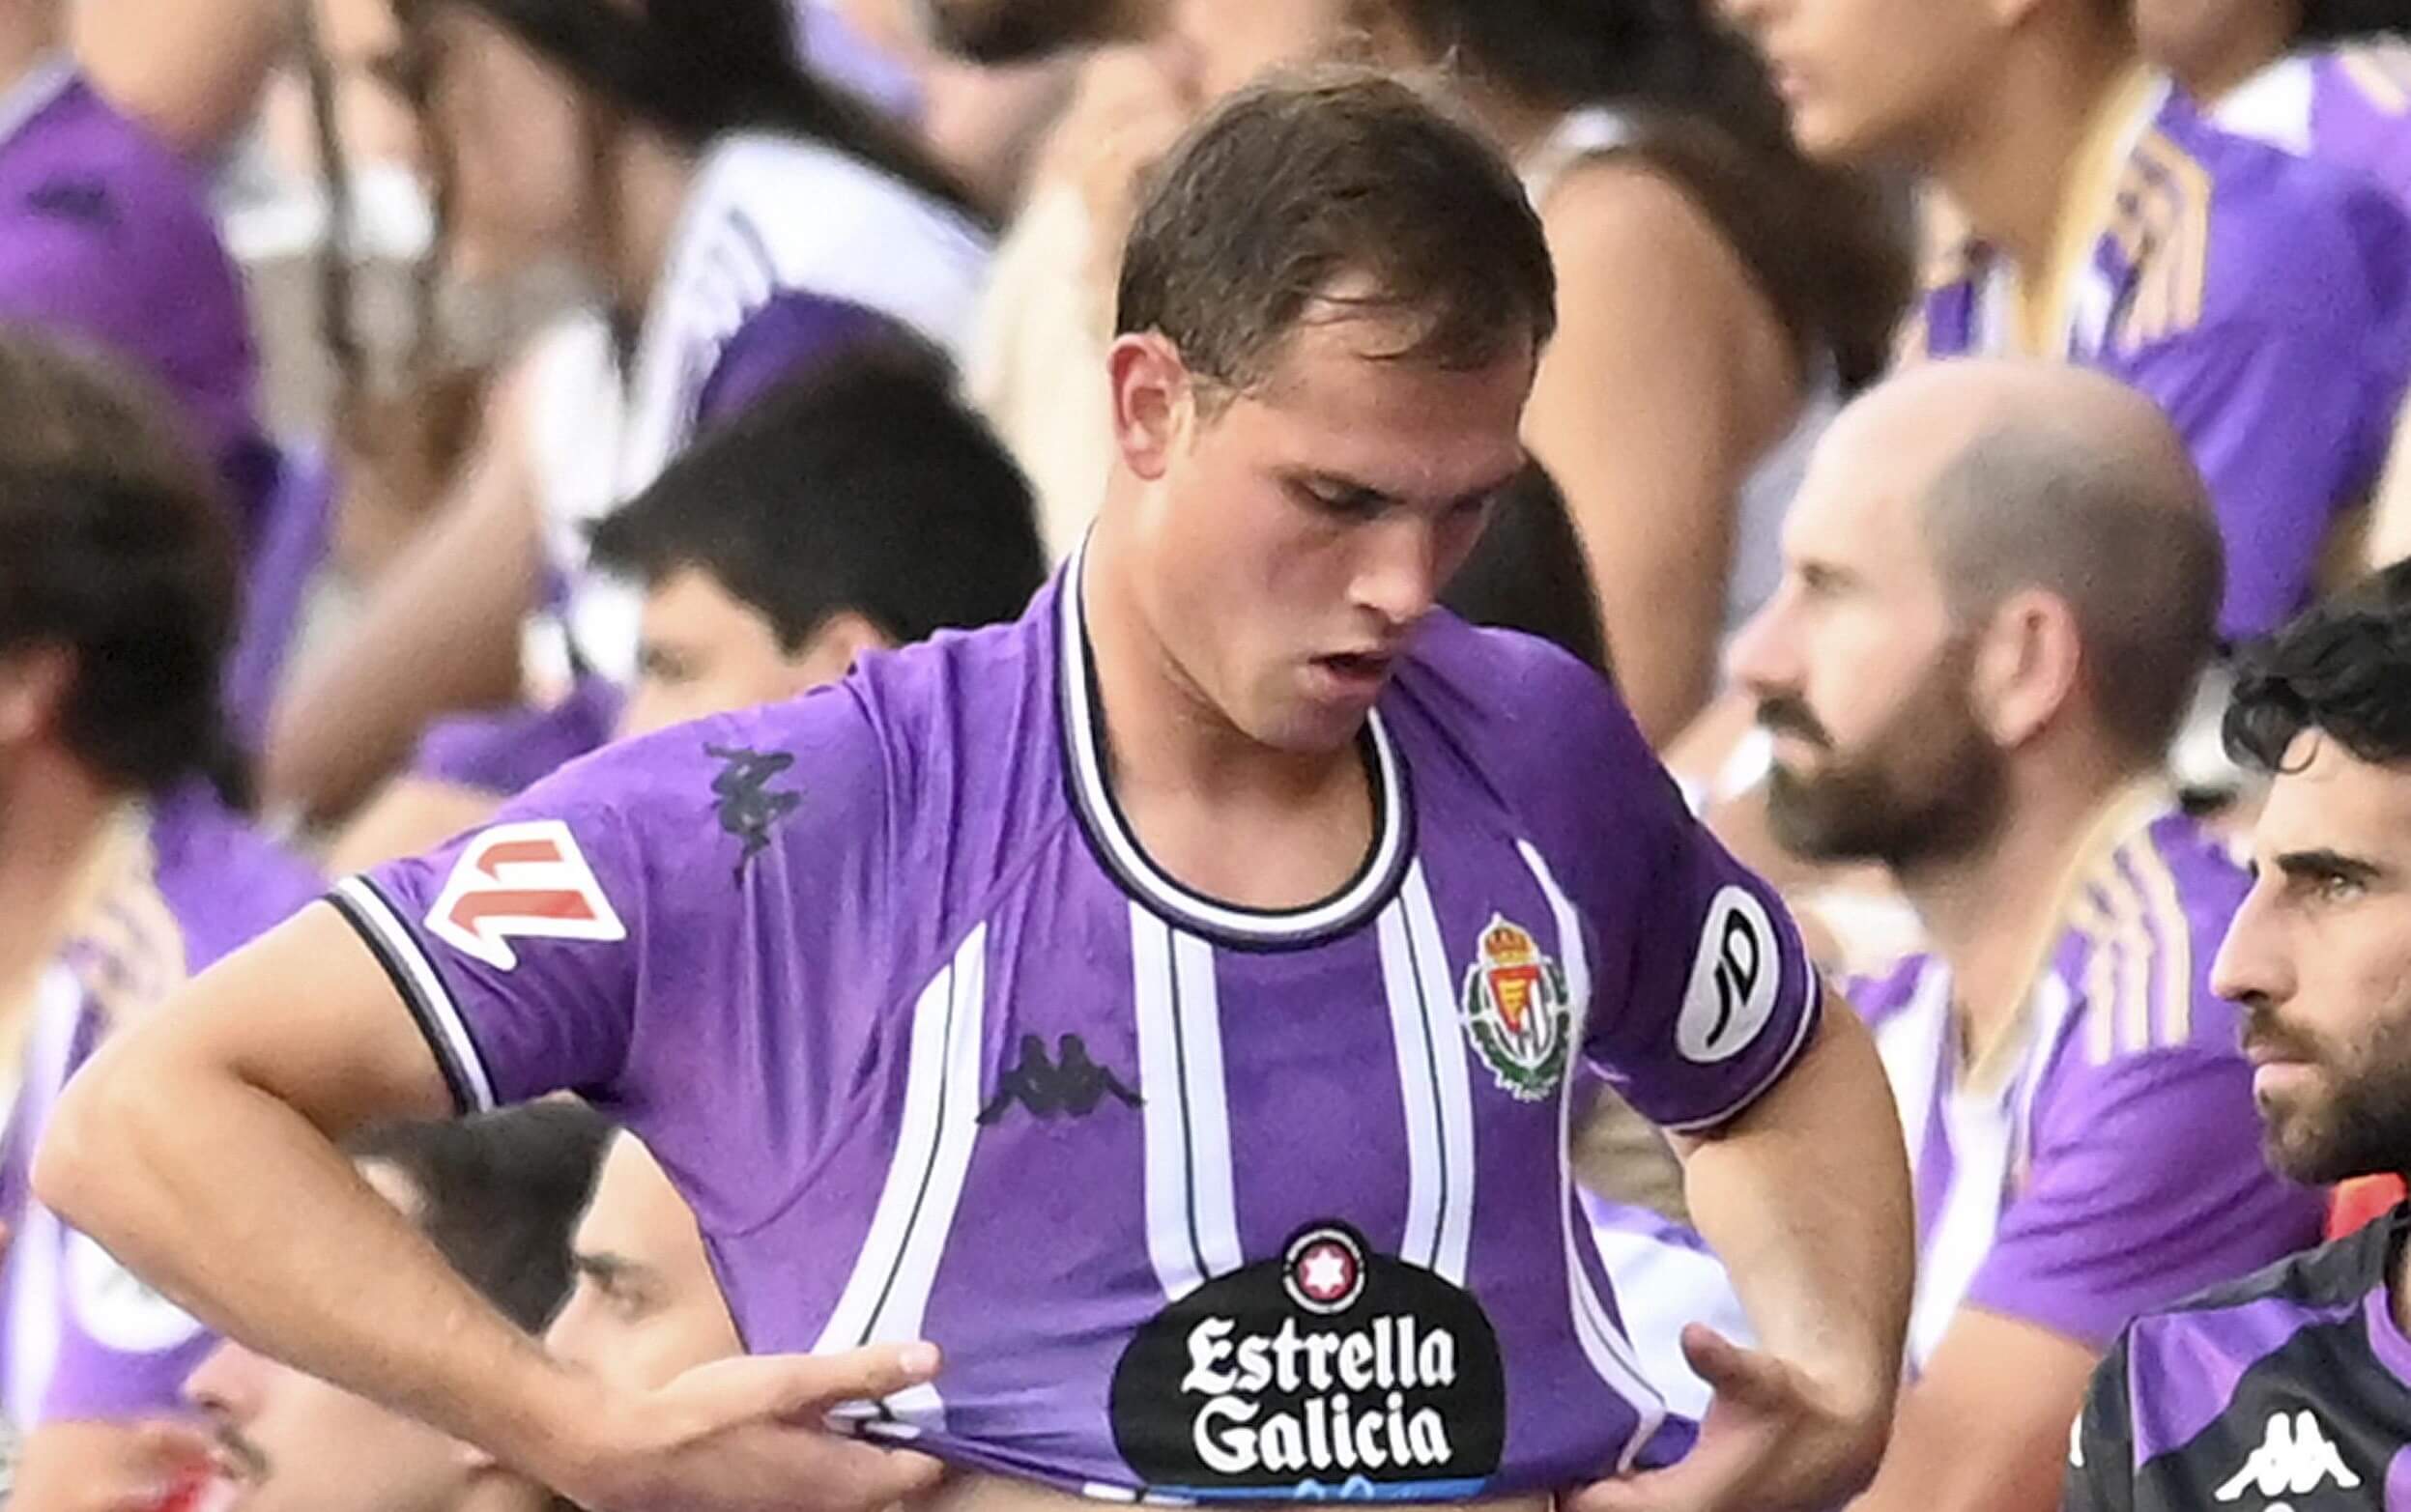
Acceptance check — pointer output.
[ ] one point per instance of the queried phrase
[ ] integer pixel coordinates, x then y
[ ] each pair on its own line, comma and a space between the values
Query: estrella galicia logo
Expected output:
1329, 1372
1071, 1083
748, 808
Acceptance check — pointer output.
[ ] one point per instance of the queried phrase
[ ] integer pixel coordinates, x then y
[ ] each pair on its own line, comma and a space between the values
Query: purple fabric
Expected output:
2357, 113
212, 884
836, 50
810, 953
778, 342
290, 545
510, 752
103, 235
2182, 1368
2283, 366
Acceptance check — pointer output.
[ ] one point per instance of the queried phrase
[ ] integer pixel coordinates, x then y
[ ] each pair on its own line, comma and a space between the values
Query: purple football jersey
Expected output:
2103, 1157
2263, 301
185, 882
1202, 1201
103, 235
2348, 104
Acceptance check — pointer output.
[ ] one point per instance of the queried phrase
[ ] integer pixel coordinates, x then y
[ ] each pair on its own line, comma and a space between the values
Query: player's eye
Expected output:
1350, 504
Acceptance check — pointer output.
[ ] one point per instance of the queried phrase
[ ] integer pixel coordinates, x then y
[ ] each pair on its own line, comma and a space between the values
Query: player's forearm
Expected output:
1807, 1200
232, 1204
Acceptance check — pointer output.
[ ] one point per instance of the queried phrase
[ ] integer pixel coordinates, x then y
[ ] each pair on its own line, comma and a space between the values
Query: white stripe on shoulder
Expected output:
369, 907
1610, 1354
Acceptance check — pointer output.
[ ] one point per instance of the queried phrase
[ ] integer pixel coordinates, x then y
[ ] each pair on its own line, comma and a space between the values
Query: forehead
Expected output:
635, 1212
1860, 505
1337, 401
2329, 799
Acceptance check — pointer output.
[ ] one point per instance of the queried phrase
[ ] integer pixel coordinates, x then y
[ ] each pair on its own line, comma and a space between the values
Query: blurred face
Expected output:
1870, 79
509, 132
2319, 958
1288, 543
1231, 42
647, 1307
291, 1442
1858, 673
705, 652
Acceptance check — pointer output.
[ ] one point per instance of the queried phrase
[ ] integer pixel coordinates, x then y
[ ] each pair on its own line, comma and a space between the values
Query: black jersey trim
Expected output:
373, 916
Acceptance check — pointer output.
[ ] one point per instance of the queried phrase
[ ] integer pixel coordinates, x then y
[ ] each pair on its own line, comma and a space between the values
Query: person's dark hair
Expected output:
2129, 544
696, 68
116, 545
500, 1195
865, 485
1528, 572
2341, 20
1304, 179
1819, 241
2342, 668
1015, 31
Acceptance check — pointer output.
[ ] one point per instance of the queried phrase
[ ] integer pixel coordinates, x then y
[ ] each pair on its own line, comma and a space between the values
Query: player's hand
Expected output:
750, 1435
1772, 1441
151, 1466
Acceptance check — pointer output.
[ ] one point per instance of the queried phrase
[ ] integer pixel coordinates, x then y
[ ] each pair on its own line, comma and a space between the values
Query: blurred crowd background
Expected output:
402, 398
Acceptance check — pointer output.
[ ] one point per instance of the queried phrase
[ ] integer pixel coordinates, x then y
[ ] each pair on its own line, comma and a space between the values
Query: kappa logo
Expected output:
2295, 1458
1518, 1011
1734, 977
521, 881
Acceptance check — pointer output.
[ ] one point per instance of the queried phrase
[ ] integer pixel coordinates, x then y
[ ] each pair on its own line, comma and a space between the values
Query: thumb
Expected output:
1730, 1370
799, 1386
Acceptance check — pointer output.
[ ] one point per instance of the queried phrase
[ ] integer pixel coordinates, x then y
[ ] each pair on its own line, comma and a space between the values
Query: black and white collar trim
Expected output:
1367, 894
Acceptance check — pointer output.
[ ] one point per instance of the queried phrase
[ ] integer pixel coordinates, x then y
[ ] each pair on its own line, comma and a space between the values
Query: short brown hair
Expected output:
1307, 178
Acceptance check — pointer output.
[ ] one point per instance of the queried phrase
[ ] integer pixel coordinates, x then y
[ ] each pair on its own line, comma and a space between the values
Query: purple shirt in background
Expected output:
2348, 105
1201, 1200
105, 236
2105, 1157
835, 49
80, 1338
2262, 300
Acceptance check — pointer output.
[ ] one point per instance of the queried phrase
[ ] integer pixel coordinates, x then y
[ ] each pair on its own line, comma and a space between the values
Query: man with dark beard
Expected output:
2292, 1385
2000, 584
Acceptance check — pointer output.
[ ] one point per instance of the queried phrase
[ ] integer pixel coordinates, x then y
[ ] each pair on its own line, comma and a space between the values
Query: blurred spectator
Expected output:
2288, 1389
1013, 31
861, 509
1527, 572
122, 872
2001, 581
497, 1197
190, 70
103, 235
646, 1306
740, 219
2264, 302
1716, 294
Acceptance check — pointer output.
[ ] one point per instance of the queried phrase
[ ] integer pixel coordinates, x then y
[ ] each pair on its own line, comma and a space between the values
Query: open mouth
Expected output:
1356, 666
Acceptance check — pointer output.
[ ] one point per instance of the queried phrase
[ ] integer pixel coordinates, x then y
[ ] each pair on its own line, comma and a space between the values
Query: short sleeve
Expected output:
2101, 1445
642, 920
2146, 1185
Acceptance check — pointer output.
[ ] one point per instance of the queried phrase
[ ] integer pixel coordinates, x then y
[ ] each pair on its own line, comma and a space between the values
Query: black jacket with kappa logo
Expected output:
2292, 1387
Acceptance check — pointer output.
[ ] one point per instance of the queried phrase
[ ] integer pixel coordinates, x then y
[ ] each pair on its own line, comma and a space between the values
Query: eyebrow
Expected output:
603, 1266
1354, 493
2325, 864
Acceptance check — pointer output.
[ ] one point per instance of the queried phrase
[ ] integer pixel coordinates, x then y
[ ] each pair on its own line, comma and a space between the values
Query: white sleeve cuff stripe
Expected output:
447, 1032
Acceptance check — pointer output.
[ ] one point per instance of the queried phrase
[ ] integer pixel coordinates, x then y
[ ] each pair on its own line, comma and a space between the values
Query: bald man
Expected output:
2001, 581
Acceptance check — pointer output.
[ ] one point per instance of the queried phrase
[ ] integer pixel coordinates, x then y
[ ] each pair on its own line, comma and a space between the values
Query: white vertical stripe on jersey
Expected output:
432, 995
35, 1313
1909, 1045
1418, 1094
1978, 1125
1193, 1219
1610, 1352
1453, 1089
887, 1295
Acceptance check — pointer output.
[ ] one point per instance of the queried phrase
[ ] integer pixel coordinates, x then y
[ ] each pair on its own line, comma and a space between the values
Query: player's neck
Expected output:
52, 812
2006, 160
1221, 813
1991, 911
2248, 43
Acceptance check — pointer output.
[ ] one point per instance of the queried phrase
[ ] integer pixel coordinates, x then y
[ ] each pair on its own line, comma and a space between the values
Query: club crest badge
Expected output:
1518, 1013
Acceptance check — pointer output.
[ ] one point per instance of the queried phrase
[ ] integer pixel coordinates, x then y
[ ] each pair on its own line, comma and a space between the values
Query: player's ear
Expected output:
2028, 659
1151, 394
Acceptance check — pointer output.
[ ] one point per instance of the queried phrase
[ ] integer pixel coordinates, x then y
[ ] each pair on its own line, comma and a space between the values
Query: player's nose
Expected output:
1764, 656
1398, 570
2253, 964
228, 1383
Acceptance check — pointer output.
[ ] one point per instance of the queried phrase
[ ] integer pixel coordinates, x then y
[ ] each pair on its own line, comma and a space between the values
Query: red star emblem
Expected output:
1327, 1272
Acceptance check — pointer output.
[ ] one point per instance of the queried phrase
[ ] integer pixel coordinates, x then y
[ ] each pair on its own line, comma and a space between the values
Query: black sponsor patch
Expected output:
1330, 1372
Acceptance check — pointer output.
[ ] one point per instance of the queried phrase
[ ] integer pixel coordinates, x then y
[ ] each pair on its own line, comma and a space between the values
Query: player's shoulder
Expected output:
223, 879
82, 167
2251, 233
1530, 718
2226, 1329
2142, 920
